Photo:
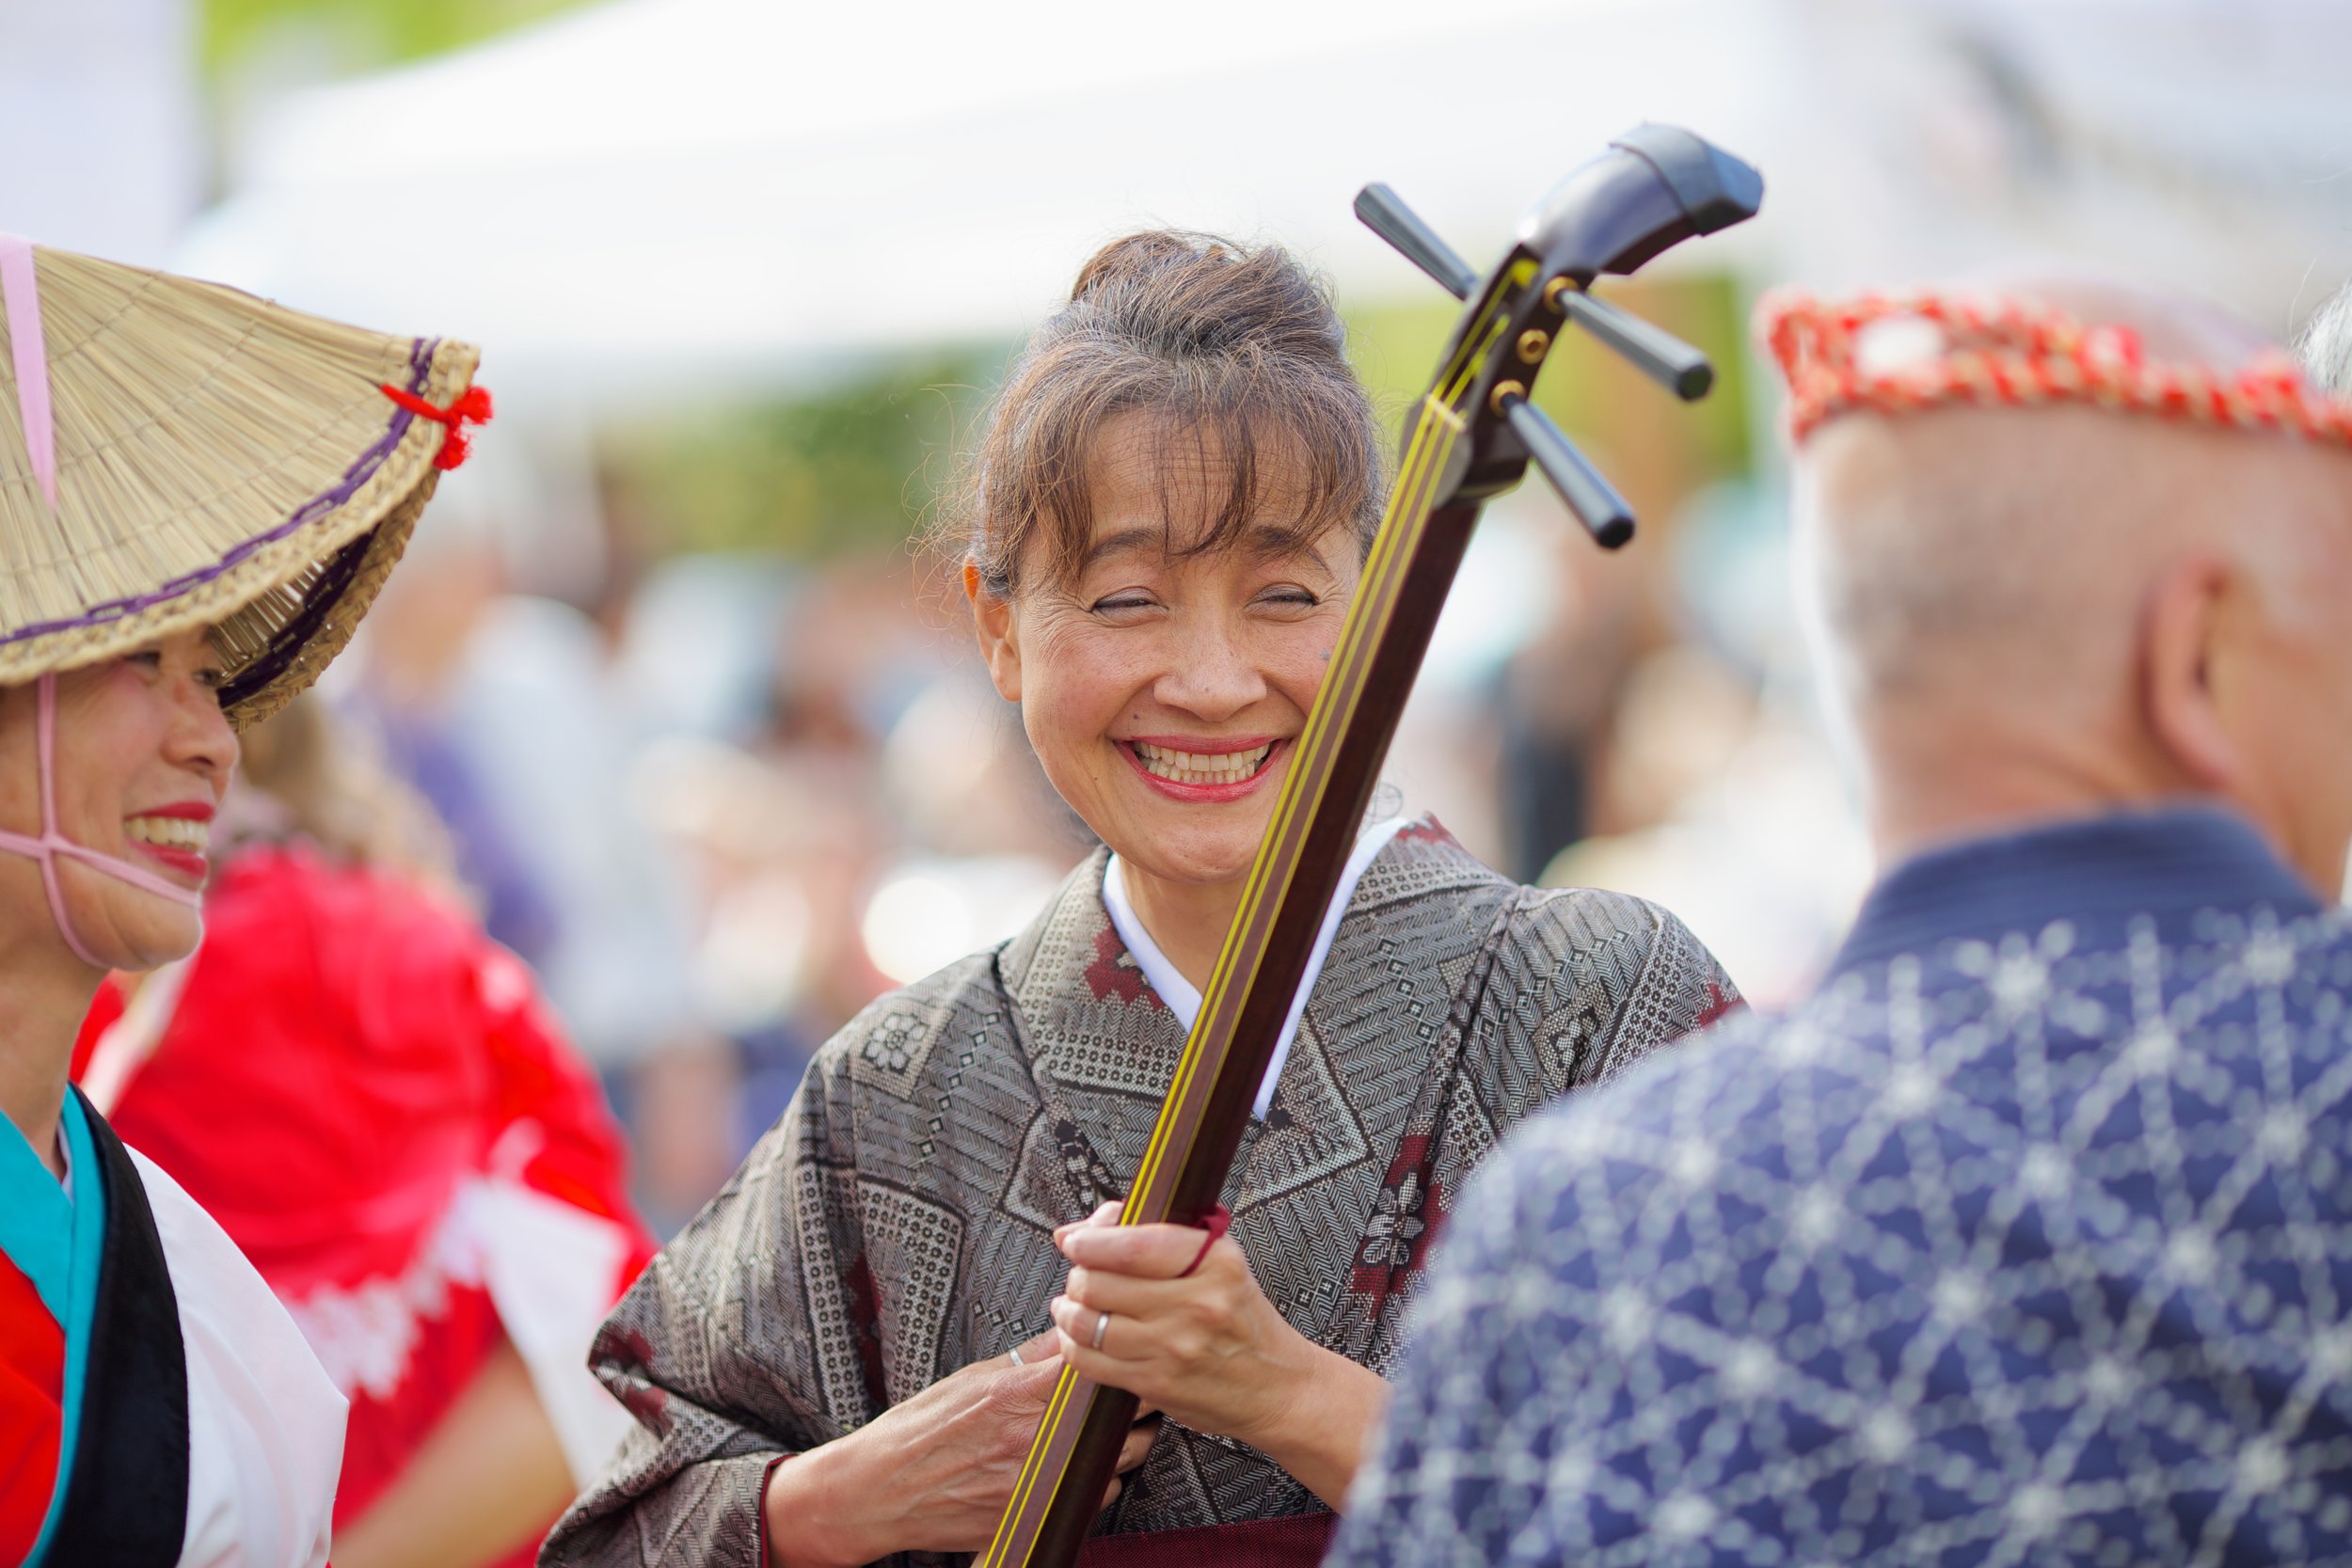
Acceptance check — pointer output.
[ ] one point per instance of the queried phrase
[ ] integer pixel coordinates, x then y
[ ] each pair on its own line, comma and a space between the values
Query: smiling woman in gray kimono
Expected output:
845, 1356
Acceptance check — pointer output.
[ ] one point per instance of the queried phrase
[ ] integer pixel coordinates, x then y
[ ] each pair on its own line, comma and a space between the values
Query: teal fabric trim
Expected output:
36, 1219
86, 1255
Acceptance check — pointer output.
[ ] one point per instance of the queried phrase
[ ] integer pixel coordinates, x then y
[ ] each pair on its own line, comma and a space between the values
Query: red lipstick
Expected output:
187, 862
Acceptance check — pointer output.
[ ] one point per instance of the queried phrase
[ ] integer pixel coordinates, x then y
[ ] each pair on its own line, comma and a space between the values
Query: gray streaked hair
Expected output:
2325, 344
1241, 352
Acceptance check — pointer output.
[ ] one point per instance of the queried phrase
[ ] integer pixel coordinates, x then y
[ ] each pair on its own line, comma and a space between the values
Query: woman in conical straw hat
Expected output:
199, 493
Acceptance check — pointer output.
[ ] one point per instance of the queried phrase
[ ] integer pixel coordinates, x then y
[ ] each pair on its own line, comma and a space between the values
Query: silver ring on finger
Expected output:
1015, 1354
1102, 1327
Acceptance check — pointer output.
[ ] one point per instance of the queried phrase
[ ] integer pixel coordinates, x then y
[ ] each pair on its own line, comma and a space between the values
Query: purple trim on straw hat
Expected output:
360, 471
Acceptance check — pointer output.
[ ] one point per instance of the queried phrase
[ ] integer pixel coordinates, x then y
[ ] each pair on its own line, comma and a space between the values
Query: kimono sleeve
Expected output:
1586, 983
735, 1348
1492, 1387
557, 1236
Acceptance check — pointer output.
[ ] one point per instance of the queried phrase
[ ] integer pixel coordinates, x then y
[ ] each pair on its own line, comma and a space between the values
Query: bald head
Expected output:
2325, 345
1993, 583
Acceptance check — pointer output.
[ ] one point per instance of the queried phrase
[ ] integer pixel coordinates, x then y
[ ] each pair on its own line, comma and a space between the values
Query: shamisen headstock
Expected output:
1653, 187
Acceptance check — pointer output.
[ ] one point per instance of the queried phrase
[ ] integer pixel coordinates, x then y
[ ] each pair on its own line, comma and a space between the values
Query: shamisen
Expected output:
200, 495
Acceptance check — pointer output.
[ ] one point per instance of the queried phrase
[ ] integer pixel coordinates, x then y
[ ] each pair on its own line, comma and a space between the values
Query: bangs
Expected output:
1268, 475
1218, 373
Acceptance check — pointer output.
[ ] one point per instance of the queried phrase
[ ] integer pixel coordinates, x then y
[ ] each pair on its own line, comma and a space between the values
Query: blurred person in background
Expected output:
2023, 1238
496, 706
1553, 703
845, 1355
372, 1100
414, 654
843, 638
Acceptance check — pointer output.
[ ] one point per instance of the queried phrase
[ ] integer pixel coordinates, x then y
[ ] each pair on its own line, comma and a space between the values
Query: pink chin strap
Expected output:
52, 844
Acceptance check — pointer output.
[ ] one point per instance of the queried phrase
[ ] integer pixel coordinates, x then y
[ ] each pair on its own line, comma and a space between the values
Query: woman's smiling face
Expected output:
1165, 692
143, 755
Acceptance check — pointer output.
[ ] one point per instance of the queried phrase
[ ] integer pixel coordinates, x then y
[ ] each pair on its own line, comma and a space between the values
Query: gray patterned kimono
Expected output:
898, 1223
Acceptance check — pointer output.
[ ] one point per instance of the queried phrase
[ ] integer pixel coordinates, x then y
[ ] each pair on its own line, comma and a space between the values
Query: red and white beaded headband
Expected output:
1891, 354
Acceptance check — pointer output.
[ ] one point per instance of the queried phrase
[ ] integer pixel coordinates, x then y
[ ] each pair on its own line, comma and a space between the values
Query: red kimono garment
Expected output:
1295, 1542
373, 1101
32, 1396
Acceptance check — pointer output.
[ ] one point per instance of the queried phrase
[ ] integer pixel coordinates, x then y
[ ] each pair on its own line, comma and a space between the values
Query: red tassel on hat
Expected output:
472, 407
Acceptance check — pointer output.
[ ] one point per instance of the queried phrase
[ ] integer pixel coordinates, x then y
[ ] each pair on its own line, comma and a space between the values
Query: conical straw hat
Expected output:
218, 461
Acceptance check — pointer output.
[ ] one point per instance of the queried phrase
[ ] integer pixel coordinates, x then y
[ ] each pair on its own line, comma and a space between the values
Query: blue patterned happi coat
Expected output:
2026, 1239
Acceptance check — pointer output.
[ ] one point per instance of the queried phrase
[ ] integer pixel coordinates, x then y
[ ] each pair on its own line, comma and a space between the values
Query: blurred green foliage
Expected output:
1594, 395
358, 34
861, 466
865, 463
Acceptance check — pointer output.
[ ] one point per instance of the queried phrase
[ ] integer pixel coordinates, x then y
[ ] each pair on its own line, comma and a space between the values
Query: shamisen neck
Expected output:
1139, 930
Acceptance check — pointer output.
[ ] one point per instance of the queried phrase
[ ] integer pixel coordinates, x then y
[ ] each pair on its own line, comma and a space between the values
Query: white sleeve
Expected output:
550, 1267
265, 1424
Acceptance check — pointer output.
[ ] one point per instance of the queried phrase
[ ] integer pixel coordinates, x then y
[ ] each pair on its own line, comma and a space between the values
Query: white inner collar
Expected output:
1185, 1001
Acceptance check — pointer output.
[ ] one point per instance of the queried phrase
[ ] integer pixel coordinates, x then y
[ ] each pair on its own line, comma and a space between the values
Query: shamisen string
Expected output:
53, 845
1893, 353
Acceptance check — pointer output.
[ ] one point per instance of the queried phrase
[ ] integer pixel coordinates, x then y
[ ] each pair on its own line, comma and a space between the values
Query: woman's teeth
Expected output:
1200, 767
169, 833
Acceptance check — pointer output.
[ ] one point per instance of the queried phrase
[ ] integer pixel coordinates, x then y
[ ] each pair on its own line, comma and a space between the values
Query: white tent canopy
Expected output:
736, 179
99, 113
705, 182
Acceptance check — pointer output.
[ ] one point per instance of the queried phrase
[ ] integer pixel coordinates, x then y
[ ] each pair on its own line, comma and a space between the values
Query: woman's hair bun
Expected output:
1238, 354
1177, 294
1131, 258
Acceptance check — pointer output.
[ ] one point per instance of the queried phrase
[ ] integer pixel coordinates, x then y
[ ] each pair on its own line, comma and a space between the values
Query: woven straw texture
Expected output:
221, 462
